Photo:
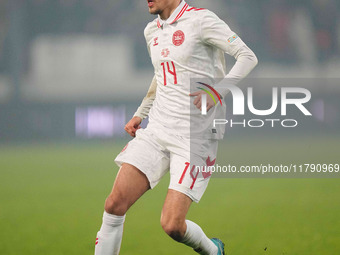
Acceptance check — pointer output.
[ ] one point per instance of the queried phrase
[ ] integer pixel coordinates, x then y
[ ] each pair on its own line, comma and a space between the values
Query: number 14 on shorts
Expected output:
195, 170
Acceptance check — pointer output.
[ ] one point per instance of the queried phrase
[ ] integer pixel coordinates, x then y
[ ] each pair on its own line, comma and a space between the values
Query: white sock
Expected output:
195, 238
109, 237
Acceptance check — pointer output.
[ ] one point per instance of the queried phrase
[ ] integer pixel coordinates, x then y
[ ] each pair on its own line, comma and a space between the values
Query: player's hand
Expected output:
198, 100
133, 125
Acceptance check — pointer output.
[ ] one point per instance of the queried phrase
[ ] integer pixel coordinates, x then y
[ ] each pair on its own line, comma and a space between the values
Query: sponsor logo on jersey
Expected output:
165, 52
232, 38
178, 38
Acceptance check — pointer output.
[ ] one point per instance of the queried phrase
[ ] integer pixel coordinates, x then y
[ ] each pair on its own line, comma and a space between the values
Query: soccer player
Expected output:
183, 42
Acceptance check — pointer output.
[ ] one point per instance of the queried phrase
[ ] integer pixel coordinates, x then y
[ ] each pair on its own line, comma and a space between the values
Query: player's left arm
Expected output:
217, 33
246, 61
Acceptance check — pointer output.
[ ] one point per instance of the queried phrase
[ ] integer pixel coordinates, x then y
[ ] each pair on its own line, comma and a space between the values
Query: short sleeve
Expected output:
216, 32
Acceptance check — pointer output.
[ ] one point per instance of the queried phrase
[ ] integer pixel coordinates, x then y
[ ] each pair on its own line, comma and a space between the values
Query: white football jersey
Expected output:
190, 44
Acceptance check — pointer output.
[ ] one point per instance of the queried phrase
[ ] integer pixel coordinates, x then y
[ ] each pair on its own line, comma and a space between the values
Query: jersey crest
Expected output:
178, 38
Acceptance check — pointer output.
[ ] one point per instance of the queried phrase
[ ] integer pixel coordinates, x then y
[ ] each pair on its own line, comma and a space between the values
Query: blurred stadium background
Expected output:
78, 69
72, 73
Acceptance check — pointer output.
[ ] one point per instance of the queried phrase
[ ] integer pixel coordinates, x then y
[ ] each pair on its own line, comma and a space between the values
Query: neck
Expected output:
166, 13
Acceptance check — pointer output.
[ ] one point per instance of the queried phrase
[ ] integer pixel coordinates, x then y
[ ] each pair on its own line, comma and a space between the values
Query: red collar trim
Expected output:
159, 25
195, 9
180, 13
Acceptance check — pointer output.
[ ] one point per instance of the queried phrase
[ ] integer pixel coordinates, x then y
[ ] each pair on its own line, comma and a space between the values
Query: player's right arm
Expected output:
143, 110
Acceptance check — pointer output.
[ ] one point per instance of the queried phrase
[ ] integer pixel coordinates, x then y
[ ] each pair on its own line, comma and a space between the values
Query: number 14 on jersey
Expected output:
168, 72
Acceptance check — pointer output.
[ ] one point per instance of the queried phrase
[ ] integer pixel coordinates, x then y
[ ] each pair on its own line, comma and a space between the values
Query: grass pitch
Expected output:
52, 202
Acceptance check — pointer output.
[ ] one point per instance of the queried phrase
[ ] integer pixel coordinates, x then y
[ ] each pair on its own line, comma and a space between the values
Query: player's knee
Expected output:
173, 228
115, 206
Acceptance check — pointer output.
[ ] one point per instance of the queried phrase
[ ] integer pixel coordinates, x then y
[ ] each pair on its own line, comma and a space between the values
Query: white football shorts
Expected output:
155, 152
